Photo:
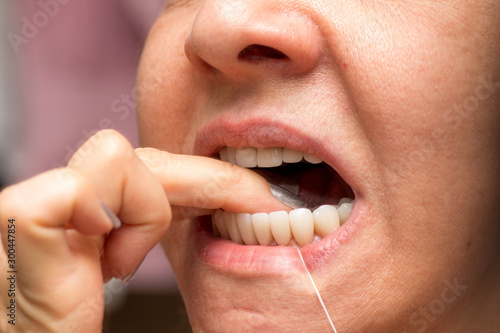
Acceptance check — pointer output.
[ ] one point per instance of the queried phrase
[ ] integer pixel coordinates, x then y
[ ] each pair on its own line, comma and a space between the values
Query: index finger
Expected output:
203, 182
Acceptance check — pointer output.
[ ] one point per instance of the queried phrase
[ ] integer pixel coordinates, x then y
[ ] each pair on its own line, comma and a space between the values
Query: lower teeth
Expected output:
279, 228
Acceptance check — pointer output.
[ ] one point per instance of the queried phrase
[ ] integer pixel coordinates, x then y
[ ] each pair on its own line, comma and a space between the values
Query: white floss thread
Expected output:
316, 290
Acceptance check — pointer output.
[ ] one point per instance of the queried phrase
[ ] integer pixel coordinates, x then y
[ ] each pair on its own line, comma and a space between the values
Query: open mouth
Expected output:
327, 200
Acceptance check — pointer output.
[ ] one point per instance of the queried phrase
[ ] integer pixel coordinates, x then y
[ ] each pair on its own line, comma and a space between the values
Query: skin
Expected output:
387, 75
384, 75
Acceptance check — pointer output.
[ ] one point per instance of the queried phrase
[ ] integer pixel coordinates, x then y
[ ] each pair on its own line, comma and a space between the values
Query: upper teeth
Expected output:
264, 157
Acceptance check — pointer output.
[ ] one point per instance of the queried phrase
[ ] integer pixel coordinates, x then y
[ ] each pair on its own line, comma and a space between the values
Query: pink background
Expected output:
73, 76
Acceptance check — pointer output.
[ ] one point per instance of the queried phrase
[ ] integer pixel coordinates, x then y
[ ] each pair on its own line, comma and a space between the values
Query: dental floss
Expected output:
287, 197
316, 289
111, 215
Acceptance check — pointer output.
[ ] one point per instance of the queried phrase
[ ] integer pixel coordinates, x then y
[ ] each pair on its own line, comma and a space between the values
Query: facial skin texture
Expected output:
409, 92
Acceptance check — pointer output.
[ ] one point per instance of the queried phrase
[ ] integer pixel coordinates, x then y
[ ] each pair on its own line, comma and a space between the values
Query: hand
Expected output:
65, 243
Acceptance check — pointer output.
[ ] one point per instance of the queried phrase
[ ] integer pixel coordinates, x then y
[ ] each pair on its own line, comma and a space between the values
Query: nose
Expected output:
245, 39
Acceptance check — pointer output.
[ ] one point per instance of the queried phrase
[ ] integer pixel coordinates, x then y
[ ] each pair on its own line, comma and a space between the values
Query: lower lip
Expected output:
228, 257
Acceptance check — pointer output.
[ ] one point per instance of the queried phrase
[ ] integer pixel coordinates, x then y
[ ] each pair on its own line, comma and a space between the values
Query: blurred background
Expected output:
67, 70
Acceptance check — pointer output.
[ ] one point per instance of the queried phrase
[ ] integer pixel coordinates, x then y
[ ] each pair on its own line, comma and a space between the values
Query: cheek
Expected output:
434, 130
165, 88
422, 115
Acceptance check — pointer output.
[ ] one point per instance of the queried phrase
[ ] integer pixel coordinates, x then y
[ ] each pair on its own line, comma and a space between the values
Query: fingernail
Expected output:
129, 277
112, 216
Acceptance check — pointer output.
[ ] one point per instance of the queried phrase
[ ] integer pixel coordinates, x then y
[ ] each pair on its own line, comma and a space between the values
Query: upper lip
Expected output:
260, 132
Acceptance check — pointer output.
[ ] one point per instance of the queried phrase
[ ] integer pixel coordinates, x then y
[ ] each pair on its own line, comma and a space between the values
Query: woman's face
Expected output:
401, 98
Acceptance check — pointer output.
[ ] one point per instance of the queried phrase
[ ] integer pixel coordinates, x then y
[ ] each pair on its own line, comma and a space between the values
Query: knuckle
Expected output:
41, 207
150, 156
107, 146
160, 219
74, 183
236, 174
113, 138
34, 201
115, 147
9, 205
156, 160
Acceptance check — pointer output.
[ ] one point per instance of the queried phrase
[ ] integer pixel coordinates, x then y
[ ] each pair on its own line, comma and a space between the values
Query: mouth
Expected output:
320, 172
326, 199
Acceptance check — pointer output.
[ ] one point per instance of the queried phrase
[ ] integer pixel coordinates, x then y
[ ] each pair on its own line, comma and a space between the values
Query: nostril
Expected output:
256, 52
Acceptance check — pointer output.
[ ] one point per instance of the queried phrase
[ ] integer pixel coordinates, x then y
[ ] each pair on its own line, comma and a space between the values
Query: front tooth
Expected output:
269, 157
344, 211
292, 156
302, 224
326, 219
312, 159
246, 157
232, 227
221, 226
231, 155
262, 228
280, 227
245, 227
